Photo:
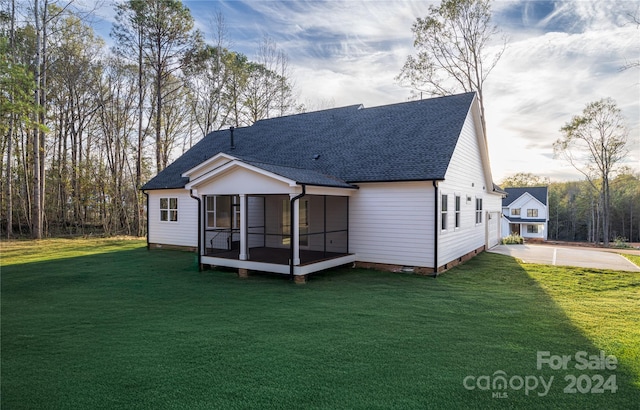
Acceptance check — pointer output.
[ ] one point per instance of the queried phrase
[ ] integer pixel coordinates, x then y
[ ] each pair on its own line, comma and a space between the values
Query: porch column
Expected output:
295, 230
243, 227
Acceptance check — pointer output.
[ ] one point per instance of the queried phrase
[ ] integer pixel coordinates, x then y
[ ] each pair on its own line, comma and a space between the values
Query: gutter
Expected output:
147, 221
435, 229
199, 229
292, 216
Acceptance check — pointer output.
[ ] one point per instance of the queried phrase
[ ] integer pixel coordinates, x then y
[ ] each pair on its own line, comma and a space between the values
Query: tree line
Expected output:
83, 126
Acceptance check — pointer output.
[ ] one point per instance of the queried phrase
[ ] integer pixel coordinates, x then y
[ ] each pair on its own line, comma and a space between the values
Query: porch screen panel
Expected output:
303, 221
223, 211
337, 223
286, 222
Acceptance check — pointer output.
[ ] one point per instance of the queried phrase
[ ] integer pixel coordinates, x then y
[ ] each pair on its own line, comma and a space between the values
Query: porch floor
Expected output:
279, 256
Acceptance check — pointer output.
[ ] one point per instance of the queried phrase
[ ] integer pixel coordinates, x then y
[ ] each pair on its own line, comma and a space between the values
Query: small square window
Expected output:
169, 209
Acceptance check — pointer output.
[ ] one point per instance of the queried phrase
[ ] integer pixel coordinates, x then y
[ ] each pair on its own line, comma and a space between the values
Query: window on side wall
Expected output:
457, 211
444, 200
515, 212
478, 210
169, 209
223, 212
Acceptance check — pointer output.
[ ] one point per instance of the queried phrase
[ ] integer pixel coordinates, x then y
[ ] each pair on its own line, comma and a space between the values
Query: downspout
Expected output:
435, 229
147, 221
199, 229
292, 216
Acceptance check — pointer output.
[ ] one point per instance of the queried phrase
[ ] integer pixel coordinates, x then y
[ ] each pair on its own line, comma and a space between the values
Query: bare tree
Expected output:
38, 180
594, 143
206, 78
452, 45
130, 36
169, 36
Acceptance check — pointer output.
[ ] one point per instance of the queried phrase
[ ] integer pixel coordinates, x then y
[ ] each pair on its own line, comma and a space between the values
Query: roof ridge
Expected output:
422, 100
325, 110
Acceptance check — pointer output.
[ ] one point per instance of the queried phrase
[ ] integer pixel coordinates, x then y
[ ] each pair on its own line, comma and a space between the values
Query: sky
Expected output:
560, 56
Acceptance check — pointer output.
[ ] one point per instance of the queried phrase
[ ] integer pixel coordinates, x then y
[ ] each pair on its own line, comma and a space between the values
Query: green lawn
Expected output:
108, 324
633, 258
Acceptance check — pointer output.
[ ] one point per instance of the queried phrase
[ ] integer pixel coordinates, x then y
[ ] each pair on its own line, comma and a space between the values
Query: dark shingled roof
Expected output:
411, 141
303, 176
538, 192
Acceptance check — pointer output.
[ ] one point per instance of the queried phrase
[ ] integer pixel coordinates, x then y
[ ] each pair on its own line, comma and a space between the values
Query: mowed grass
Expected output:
633, 258
109, 324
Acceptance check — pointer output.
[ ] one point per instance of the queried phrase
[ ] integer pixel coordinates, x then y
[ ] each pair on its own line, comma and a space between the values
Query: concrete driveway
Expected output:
567, 256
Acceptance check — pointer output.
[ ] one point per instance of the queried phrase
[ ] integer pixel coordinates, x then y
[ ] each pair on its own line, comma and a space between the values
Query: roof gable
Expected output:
204, 167
539, 193
399, 142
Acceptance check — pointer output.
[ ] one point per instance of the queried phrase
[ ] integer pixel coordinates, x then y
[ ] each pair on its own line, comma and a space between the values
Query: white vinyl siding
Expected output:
465, 177
532, 206
182, 232
393, 223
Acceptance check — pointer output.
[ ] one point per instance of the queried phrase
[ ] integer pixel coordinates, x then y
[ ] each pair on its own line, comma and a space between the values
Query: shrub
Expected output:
621, 242
512, 239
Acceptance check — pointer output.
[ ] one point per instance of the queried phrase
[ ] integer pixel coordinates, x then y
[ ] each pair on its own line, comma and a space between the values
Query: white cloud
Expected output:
543, 81
544, 77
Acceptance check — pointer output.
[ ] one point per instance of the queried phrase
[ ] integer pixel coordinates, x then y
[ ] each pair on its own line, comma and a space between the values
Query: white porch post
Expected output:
295, 230
243, 227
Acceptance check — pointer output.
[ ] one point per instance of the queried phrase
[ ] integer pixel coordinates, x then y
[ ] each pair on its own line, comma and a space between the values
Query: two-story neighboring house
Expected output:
525, 212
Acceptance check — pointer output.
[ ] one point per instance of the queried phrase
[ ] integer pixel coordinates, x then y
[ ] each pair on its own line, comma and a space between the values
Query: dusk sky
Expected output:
560, 56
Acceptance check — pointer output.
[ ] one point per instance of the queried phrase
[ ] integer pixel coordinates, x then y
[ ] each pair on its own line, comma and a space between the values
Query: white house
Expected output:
525, 212
404, 186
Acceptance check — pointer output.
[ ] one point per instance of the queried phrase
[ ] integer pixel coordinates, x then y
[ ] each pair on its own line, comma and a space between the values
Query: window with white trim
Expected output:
532, 213
457, 200
223, 211
169, 209
444, 205
515, 211
532, 228
478, 210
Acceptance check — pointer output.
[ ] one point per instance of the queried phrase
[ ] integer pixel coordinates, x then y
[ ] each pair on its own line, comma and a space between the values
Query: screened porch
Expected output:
255, 232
